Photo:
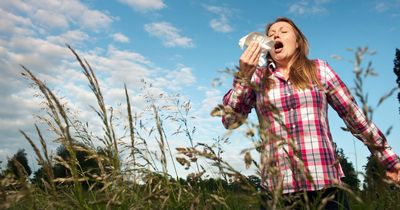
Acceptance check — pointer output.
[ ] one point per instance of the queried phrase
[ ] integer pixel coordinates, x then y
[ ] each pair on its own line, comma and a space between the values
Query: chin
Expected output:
278, 59
277, 56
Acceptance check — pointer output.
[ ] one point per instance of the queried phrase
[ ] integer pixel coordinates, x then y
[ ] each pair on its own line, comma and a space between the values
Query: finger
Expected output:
256, 55
245, 53
394, 176
249, 59
249, 51
253, 51
244, 59
391, 175
398, 177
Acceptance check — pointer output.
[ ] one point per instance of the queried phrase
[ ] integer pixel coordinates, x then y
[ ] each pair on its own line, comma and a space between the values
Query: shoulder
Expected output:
320, 63
325, 71
323, 67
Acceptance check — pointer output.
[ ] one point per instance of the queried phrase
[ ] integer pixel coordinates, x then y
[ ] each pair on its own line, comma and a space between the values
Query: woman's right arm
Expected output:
241, 98
238, 103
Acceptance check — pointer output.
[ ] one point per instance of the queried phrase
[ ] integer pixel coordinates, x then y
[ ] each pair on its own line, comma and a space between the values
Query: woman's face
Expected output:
285, 42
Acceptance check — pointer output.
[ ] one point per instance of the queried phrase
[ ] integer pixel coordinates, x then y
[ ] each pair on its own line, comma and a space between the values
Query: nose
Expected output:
276, 35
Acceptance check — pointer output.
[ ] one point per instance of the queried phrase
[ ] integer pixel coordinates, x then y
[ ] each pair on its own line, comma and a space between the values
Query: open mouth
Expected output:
278, 45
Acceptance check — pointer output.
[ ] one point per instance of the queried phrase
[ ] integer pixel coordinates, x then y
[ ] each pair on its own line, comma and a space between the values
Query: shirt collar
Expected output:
271, 67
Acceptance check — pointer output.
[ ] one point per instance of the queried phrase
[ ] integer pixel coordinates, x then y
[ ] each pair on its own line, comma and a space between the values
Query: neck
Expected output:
284, 71
283, 64
283, 68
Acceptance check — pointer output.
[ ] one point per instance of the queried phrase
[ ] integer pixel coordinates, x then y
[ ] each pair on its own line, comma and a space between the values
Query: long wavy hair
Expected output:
303, 71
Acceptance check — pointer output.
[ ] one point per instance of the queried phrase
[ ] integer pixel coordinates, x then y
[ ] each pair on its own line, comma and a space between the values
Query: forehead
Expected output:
279, 25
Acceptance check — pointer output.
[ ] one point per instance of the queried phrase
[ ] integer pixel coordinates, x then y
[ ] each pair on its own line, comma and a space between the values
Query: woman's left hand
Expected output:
394, 174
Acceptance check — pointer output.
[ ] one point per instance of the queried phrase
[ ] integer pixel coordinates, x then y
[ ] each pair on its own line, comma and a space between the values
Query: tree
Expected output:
396, 70
13, 166
1, 170
374, 173
87, 166
38, 176
350, 173
377, 192
382, 194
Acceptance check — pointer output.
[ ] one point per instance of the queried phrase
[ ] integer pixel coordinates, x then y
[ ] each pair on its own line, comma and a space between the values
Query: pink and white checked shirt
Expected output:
301, 116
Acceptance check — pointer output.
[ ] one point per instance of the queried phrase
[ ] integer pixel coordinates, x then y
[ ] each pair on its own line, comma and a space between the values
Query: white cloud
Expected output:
322, 1
169, 34
118, 37
217, 10
19, 5
144, 5
30, 39
307, 7
59, 14
212, 98
220, 24
33, 34
35, 53
385, 6
183, 76
50, 19
14, 24
18, 20
381, 6
20, 100
94, 19
119, 66
177, 79
122, 66
131, 56
70, 37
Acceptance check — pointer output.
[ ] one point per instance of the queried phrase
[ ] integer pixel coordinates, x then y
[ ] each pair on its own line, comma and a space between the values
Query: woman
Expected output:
290, 95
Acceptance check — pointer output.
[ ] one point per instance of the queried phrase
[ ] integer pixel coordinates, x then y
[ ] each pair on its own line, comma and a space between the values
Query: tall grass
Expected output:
135, 175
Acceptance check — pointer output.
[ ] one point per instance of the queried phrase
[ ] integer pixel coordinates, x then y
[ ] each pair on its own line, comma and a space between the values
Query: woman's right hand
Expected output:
249, 60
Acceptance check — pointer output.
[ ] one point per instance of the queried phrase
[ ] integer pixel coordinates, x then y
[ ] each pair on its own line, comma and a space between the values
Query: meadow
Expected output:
100, 171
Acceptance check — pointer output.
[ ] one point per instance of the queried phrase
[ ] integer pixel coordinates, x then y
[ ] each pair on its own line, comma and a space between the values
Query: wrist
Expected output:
241, 79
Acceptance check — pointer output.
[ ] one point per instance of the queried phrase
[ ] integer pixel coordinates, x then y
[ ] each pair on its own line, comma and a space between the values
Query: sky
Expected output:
179, 47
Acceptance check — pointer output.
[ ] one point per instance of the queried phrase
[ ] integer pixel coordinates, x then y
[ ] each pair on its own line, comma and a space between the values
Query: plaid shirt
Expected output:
298, 140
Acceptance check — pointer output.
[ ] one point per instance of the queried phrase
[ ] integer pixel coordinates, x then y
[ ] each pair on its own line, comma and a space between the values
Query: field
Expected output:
100, 171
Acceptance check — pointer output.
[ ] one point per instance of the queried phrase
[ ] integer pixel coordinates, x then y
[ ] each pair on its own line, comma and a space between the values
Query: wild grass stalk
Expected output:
142, 180
58, 114
46, 163
131, 127
110, 139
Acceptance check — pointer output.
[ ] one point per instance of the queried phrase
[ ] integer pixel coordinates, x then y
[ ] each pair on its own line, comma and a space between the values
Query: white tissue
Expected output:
265, 43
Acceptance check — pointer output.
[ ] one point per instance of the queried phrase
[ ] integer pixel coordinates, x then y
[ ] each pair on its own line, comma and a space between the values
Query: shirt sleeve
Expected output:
239, 100
340, 98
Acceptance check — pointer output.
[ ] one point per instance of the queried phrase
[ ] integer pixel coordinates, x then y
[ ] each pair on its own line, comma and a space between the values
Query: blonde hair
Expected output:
303, 71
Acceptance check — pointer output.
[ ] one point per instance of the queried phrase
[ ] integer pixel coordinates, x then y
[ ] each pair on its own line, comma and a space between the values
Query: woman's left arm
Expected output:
340, 98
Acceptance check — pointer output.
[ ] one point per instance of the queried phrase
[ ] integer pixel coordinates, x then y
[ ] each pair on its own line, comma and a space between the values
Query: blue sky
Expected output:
180, 47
